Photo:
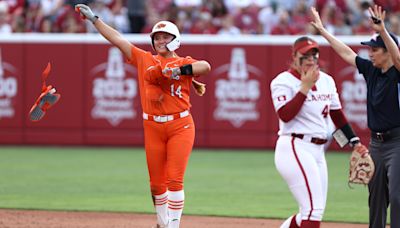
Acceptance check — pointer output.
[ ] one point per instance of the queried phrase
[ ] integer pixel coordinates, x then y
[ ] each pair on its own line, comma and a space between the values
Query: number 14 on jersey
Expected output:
177, 91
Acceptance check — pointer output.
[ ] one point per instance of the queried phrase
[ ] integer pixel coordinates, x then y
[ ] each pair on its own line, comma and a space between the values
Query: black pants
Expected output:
384, 188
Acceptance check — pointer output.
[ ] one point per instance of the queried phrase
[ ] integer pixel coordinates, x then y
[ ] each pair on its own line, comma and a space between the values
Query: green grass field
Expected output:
222, 182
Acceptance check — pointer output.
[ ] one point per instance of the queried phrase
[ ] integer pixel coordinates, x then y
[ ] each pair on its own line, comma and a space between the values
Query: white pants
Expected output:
302, 165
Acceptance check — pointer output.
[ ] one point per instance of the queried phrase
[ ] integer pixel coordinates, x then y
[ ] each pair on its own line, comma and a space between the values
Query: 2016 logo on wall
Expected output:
354, 94
8, 89
113, 94
237, 95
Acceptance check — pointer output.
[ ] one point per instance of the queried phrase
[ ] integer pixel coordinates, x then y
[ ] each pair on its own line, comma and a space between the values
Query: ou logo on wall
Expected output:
8, 89
113, 94
237, 95
354, 94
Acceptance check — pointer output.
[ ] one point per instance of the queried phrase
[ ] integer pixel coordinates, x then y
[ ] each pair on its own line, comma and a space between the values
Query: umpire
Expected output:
382, 75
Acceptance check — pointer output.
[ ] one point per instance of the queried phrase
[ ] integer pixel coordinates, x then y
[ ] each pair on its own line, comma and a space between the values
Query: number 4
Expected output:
177, 92
325, 111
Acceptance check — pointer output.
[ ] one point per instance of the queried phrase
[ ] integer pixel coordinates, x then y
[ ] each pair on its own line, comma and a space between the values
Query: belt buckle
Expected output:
379, 136
160, 119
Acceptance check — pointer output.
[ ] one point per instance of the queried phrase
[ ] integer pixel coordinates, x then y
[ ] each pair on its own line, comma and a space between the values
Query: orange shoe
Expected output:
43, 103
46, 100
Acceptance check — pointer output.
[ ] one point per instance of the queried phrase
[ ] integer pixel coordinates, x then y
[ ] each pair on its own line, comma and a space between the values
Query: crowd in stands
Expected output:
276, 17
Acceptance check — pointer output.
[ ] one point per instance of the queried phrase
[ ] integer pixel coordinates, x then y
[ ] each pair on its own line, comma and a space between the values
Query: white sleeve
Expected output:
281, 93
335, 105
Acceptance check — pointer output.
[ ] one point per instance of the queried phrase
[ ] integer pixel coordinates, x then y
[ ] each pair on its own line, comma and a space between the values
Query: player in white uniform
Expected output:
304, 98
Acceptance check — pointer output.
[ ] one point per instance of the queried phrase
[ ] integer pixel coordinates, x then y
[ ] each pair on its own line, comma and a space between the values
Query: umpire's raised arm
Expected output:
341, 49
378, 19
112, 35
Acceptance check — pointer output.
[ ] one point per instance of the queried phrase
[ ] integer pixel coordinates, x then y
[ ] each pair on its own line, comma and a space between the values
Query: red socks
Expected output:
310, 224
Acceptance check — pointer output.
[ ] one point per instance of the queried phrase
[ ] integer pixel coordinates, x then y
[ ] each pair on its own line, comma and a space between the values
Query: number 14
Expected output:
176, 92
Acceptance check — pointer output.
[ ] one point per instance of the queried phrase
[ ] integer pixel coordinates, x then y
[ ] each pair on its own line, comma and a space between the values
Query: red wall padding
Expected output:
100, 102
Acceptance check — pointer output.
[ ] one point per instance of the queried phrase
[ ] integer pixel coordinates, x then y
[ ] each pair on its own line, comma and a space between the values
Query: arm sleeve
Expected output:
287, 112
338, 118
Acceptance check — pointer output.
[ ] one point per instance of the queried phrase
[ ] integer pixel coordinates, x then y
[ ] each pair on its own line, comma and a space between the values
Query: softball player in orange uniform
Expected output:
169, 131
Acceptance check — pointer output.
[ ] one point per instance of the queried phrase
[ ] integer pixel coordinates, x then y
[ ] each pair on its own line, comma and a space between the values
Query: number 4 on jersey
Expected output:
325, 111
176, 92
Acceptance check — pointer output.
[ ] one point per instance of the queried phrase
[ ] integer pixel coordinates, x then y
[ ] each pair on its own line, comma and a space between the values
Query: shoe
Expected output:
46, 99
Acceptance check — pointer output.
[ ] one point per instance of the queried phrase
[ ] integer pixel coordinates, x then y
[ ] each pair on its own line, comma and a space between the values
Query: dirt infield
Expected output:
63, 219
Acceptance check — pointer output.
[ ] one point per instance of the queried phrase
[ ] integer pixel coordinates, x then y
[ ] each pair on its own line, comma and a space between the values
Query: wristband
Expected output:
345, 135
186, 69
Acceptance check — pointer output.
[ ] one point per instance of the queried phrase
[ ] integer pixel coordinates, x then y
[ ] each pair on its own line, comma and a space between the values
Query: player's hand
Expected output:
86, 12
317, 23
308, 78
360, 148
377, 18
172, 73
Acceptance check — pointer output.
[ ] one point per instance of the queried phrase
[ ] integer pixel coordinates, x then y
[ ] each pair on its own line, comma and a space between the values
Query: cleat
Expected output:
46, 100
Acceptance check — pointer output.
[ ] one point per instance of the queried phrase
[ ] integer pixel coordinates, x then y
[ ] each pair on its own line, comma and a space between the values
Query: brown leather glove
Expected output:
362, 166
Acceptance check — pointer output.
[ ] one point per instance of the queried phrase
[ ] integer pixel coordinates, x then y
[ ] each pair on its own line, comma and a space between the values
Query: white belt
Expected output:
166, 118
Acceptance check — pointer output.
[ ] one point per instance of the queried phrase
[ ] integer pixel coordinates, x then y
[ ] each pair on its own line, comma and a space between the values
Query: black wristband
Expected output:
186, 69
348, 131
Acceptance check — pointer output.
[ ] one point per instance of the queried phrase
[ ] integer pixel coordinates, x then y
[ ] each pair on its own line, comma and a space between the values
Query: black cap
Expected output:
376, 41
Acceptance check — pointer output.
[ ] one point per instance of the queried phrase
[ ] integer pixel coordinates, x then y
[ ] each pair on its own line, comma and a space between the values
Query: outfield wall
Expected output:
100, 102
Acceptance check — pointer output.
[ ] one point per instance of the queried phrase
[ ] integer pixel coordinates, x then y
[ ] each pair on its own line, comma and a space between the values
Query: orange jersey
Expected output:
160, 95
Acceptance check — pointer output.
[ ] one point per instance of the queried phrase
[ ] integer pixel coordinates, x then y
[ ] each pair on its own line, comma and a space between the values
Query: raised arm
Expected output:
344, 51
378, 25
112, 35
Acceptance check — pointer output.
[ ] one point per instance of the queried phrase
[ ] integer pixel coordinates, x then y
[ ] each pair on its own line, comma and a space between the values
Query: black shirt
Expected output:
383, 91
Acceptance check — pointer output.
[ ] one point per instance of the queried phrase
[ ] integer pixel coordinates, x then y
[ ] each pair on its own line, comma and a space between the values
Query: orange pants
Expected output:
168, 146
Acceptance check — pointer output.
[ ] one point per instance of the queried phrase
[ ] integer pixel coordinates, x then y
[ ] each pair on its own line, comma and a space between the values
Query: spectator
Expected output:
340, 24
246, 19
341, 17
268, 18
394, 23
160, 7
288, 4
100, 8
46, 25
389, 5
218, 12
204, 25
187, 3
284, 27
137, 15
51, 9
299, 15
70, 22
364, 28
5, 27
228, 27
340, 4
